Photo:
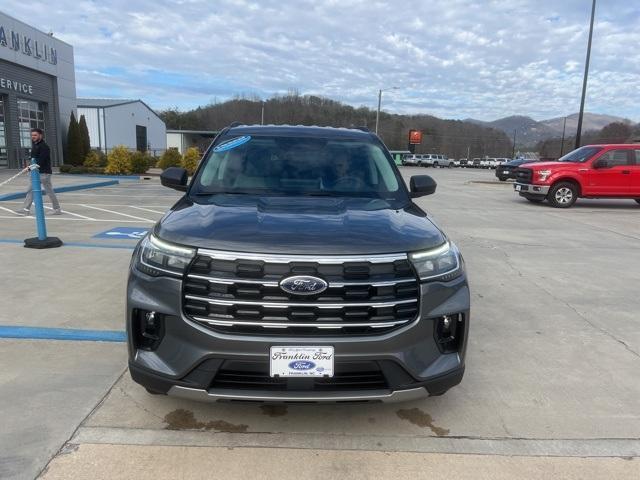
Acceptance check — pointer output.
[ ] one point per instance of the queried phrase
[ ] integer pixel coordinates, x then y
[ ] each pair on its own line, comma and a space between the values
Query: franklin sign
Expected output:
28, 46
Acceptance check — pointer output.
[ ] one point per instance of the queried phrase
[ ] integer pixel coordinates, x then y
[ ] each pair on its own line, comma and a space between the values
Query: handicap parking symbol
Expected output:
119, 233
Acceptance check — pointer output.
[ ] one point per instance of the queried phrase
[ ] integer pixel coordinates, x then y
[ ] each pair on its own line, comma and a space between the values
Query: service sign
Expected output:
415, 137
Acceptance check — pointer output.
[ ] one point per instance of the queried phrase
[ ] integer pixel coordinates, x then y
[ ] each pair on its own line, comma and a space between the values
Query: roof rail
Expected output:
362, 128
234, 124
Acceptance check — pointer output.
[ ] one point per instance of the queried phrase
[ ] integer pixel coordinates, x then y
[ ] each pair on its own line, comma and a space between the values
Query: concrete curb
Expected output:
70, 188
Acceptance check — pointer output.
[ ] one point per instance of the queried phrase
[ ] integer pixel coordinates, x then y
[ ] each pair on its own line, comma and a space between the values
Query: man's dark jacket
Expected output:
42, 153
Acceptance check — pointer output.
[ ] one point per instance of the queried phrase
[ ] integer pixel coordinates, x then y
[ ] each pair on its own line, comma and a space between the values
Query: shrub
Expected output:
191, 159
139, 162
83, 134
95, 159
75, 149
65, 168
119, 161
170, 158
153, 162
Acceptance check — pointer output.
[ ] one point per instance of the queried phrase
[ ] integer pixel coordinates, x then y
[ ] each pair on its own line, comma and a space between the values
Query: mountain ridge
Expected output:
530, 131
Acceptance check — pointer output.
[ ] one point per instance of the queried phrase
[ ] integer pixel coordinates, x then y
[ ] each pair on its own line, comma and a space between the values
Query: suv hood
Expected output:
299, 225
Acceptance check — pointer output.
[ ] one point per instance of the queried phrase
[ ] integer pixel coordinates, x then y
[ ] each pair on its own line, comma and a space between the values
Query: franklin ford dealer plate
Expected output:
301, 362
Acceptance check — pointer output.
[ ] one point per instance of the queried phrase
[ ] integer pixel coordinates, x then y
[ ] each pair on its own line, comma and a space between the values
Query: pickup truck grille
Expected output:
240, 293
524, 175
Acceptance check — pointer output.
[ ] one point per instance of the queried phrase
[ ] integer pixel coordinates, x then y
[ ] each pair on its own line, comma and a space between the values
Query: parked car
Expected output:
412, 160
442, 161
593, 171
297, 268
463, 162
476, 163
508, 169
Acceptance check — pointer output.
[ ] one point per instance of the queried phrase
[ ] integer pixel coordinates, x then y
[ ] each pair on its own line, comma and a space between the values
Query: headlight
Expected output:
158, 257
543, 175
441, 263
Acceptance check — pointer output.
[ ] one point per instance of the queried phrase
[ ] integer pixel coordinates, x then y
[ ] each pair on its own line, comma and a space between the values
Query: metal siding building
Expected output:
113, 122
182, 140
37, 89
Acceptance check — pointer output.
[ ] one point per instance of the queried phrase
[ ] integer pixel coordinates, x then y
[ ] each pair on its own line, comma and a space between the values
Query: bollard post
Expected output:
41, 241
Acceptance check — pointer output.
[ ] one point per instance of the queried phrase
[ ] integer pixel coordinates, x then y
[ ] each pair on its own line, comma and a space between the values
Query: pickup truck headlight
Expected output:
158, 257
543, 175
442, 263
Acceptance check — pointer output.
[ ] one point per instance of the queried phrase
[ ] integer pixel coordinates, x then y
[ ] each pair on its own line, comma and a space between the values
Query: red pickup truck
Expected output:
592, 171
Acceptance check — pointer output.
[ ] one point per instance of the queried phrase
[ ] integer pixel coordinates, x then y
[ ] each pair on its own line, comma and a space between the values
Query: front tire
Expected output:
637, 200
502, 179
563, 195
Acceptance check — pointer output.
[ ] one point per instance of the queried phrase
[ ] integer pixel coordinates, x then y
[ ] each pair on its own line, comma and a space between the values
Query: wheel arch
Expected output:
569, 179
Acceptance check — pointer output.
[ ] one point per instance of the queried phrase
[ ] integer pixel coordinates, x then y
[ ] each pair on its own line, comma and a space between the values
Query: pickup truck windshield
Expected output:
580, 155
273, 165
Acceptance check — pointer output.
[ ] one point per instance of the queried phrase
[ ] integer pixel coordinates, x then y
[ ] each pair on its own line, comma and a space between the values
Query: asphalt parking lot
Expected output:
551, 388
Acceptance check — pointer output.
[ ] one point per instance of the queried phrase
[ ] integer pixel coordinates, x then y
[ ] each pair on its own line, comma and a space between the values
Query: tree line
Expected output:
454, 138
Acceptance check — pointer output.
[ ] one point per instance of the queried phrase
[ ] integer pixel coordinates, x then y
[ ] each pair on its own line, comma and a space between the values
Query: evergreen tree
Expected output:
74, 143
84, 136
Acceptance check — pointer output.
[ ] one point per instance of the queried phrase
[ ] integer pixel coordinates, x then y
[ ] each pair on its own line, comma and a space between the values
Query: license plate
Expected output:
518, 188
301, 362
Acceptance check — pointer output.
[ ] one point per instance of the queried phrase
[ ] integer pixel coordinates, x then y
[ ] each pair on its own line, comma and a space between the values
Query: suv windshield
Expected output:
279, 165
580, 155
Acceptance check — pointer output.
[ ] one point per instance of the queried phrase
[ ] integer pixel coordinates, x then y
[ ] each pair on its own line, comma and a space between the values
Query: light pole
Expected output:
379, 102
586, 73
564, 127
513, 152
262, 115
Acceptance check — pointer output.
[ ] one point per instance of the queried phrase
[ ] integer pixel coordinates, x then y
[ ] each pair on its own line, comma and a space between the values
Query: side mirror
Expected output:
421, 185
175, 177
602, 163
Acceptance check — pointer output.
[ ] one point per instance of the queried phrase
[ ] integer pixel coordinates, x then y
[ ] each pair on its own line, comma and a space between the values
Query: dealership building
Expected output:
37, 90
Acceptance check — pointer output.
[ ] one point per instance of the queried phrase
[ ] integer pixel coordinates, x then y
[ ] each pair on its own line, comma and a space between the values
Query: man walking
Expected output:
42, 153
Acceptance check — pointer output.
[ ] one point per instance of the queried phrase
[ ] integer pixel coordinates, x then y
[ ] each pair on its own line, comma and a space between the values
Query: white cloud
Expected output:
451, 58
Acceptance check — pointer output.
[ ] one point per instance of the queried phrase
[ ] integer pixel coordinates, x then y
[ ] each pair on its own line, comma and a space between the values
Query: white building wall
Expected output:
121, 121
93, 125
174, 140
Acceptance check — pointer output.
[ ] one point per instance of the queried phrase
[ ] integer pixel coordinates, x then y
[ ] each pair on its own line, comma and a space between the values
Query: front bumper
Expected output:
187, 359
530, 189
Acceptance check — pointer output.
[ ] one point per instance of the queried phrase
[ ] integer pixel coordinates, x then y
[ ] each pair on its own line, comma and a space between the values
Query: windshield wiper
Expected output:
221, 192
321, 194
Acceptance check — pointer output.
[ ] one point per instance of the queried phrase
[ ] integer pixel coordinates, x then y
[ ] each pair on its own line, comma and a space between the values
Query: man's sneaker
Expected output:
57, 211
23, 211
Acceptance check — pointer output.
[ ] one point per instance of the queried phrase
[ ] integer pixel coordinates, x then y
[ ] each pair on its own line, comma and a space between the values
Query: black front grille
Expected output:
524, 175
239, 375
241, 294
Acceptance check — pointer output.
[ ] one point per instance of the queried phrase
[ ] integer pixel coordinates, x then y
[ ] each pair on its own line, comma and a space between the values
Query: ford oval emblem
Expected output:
302, 365
303, 285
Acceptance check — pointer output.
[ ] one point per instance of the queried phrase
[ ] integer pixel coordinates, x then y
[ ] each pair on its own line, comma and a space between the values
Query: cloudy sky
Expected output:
449, 58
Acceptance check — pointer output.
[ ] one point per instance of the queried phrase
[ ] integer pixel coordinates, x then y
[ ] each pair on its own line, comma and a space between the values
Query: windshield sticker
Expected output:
236, 142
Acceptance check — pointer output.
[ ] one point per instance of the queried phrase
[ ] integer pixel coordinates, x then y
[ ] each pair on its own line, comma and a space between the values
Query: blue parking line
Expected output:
68, 188
75, 244
40, 333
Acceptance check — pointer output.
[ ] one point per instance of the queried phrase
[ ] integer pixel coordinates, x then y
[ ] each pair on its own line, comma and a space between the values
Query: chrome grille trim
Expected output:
235, 292
215, 301
267, 283
230, 323
284, 258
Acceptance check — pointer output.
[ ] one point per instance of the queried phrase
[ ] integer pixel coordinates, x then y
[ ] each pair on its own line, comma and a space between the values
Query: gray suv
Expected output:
297, 268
